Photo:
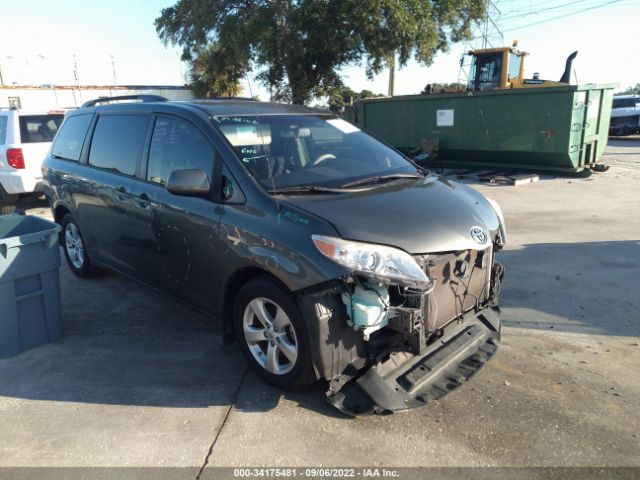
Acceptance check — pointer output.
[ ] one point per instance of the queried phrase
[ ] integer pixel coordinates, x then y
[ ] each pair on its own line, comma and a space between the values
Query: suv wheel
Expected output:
74, 249
7, 202
272, 334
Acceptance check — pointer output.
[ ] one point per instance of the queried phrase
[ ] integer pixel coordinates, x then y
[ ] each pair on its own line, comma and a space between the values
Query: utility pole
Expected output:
76, 75
485, 34
113, 69
9, 57
75, 71
392, 74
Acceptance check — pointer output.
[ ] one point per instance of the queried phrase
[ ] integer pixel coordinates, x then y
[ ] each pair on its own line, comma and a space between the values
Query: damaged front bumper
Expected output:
405, 381
432, 342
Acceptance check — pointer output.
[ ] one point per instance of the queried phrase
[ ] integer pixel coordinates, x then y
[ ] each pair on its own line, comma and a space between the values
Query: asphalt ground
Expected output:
139, 380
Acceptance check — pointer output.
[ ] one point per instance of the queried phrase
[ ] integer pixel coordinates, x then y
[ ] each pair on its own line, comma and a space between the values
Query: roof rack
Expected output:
223, 98
142, 98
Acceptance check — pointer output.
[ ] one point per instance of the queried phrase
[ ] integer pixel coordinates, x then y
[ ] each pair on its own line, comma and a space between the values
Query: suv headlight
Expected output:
380, 261
498, 210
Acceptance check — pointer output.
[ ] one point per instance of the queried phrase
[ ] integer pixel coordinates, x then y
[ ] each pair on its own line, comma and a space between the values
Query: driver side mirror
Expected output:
226, 192
190, 183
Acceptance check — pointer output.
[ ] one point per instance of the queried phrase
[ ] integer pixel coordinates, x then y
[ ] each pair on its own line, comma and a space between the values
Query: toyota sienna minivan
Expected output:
325, 253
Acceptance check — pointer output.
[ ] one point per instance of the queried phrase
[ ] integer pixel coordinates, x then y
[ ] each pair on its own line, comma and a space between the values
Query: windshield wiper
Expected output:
305, 189
380, 178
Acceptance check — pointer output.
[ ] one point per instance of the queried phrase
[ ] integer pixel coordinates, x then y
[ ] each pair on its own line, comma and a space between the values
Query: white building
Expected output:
50, 97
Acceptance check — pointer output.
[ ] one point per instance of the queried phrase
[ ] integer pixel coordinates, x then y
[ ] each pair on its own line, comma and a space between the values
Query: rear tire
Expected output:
7, 202
272, 334
74, 248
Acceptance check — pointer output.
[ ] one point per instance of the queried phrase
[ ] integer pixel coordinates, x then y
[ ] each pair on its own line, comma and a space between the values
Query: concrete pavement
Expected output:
139, 380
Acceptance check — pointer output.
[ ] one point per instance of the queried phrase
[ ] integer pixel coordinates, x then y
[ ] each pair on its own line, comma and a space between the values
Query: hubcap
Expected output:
73, 243
270, 336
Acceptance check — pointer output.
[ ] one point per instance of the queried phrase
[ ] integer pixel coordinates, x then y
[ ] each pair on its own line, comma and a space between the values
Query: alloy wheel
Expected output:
74, 246
270, 336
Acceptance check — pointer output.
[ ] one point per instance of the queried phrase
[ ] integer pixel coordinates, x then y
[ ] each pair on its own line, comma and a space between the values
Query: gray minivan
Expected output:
325, 253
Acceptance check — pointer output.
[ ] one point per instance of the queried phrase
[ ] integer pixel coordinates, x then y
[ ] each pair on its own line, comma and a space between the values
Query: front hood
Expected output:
421, 216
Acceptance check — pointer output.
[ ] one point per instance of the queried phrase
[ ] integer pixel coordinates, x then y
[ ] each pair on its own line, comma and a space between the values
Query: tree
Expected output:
299, 46
342, 98
631, 90
215, 74
434, 88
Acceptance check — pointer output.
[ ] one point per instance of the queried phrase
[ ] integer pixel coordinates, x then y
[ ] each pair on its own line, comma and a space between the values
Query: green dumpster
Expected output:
560, 128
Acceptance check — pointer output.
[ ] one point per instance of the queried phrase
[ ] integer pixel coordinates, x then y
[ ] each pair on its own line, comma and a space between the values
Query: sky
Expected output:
116, 42
39, 38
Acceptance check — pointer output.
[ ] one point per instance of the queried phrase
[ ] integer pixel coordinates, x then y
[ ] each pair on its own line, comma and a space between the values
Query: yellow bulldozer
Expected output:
500, 68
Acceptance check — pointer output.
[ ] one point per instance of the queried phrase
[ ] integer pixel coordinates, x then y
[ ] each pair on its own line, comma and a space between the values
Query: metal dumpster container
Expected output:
29, 283
561, 128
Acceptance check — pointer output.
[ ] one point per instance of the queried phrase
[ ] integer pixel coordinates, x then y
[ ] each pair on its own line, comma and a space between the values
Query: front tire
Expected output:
74, 248
273, 335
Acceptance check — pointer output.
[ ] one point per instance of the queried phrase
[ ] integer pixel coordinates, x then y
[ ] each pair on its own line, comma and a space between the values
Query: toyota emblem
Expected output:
479, 235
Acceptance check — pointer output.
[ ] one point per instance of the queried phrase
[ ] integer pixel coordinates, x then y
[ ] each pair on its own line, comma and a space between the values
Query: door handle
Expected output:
122, 193
143, 200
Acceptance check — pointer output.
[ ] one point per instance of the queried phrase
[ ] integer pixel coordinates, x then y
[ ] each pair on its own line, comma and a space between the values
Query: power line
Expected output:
542, 10
519, 27
531, 6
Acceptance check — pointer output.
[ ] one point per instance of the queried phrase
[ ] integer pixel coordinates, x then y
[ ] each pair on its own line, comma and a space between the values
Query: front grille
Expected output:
462, 281
628, 120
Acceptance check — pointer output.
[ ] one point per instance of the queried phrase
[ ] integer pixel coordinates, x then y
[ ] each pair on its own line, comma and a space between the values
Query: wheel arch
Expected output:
230, 291
59, 211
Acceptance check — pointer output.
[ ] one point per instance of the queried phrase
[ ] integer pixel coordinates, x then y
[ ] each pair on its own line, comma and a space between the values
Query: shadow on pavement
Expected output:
124, 344
586, 287
31, 203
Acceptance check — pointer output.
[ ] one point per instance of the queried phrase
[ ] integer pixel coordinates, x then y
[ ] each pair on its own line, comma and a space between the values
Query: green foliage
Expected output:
298, 46
343, 98
631, 90
215, 74
435, 88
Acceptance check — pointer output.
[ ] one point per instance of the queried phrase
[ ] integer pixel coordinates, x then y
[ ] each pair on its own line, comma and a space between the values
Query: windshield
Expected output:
625, 102
308, 150
485, 71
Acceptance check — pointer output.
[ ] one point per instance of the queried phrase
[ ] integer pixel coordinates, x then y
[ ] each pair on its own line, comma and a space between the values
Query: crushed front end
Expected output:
388, 346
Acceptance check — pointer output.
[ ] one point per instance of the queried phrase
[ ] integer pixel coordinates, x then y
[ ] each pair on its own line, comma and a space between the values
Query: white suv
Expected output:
25, 139
625, 115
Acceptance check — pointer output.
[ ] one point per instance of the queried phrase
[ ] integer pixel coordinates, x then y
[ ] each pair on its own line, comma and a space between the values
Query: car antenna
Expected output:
267, 155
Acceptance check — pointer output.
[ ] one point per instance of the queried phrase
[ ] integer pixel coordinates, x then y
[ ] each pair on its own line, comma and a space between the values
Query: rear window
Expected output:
3, 129
625, 102
68, 144
39, 128
117, 141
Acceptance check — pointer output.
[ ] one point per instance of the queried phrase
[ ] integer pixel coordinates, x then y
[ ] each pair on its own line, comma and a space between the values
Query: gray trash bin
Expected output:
29, 283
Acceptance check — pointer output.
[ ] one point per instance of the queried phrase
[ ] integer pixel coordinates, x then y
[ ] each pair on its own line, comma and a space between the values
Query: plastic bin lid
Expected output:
18, 230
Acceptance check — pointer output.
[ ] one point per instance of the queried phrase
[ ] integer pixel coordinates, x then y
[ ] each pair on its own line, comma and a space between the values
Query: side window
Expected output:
39, 128
3, 129
177, 144
514, 66
70, 138
116, 142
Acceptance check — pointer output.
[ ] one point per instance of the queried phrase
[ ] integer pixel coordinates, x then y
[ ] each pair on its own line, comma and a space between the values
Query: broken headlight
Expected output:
498, 210
371, 260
